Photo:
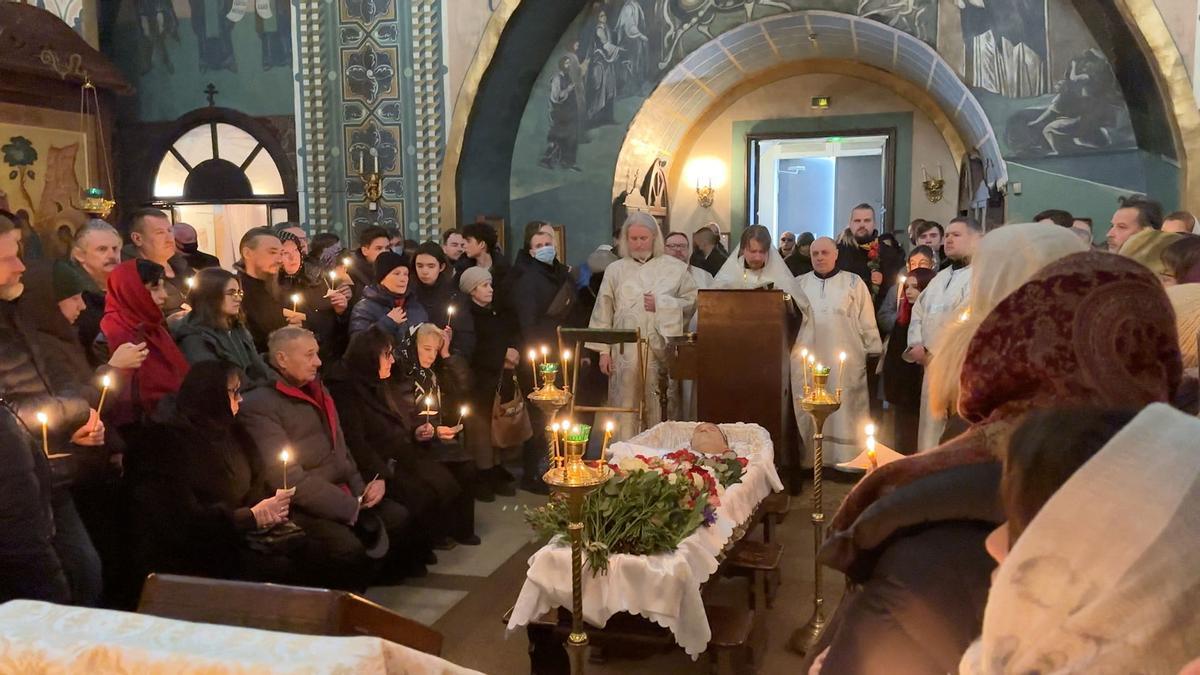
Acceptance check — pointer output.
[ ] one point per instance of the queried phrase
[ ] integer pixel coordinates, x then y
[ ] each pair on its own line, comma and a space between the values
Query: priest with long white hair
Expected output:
645, 290
759, 265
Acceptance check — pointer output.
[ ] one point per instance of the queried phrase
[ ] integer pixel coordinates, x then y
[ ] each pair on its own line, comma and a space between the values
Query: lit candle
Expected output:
295, 300
841, 368
449, 315
812, 360
871, 446
284, 456
332, 279
43, 420
804, 365
105, 383
566, 368
346, 261
608, 429
533, 366
462, 412
962, 318
545, 355
191, 282
429, 405
900, 291
554, 444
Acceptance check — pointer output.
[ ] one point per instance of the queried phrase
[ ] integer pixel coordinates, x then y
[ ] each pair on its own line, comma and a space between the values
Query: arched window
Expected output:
217, 161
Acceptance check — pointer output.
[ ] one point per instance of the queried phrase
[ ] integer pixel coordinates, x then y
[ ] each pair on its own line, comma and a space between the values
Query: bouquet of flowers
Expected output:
873, 264
649, 506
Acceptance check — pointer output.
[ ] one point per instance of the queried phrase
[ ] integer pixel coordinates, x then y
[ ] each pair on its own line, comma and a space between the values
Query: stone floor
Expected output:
469, 590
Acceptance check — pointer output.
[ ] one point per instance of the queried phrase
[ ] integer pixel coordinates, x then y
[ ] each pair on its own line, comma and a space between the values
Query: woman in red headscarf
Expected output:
1089, 329
133, 313
902, 379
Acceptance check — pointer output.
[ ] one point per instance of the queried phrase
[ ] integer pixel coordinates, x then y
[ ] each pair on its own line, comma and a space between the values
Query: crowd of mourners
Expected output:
327, 416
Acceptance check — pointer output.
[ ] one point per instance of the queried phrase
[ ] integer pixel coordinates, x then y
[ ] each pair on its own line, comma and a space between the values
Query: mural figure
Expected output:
1086, 112
275, 31
1006, 46
600, 66
915, 17
213, 28
157, 22
566, 112
683, 16
635, 46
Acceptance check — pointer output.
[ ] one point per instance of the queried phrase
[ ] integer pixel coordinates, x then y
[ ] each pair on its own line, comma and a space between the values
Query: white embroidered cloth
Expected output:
40, 637
664, 588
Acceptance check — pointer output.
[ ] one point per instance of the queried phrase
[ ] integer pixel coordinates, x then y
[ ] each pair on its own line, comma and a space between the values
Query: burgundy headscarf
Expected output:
923, 277
130, 315
1089, 329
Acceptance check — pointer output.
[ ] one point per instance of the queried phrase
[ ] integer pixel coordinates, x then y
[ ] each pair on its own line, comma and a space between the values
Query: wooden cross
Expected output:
211, 93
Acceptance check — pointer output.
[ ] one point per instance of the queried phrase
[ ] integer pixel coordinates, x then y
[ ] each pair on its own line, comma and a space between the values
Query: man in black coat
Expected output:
262, 257
45, 553
95, 253
323, 301
860, 252
708, 254
188, 246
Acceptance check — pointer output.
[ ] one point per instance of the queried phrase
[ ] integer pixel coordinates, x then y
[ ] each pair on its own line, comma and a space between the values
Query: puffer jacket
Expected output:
206, 343
373, 310
436, 300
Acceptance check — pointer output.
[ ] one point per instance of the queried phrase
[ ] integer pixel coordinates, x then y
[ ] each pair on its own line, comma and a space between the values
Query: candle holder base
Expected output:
805, 637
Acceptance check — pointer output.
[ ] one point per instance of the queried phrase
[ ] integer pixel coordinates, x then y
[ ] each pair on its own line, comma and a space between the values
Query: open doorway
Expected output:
807, 183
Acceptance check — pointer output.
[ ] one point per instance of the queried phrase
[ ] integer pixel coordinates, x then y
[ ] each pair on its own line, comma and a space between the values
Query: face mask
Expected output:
398, 250
190, 248
544, 254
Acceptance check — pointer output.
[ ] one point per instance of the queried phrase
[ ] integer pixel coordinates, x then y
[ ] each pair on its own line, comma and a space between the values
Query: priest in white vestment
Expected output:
647, 290
942, 302
843, 322
679, 245
757, 265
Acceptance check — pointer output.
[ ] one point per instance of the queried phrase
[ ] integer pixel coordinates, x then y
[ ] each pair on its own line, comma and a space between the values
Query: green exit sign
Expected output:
821, 102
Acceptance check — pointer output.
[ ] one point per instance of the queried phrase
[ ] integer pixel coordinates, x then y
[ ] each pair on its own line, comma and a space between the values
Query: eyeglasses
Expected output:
238, 293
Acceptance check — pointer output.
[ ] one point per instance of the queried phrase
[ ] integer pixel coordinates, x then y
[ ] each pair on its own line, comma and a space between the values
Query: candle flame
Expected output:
804, 353
332, 275
811, 359
545, 350
428, 401
42, 419
532, 355
608, 426
285, 456
566, 355
903, 279
450, 310
106, 381
962, 318
295, 298
462, 412
191, 282
554, 426
871, 444
346, 261
870, 430
842, 357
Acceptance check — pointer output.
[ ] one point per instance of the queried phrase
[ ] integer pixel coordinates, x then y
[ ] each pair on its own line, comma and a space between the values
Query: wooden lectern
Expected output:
739, 358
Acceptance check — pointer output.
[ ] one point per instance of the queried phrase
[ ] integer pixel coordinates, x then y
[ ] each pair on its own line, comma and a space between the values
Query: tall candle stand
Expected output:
820, 404
549, 398
573, 479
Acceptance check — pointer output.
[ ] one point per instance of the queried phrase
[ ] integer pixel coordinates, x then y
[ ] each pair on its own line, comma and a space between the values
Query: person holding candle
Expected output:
844, 323
215, 329
298, 412
493, 367
96, 252
198, 486
437, 291
921, 257
325, 302
654, 293
390, 302
263, 305
901, 378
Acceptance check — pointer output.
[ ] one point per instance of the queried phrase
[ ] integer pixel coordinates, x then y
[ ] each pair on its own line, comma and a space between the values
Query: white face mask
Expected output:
544, 254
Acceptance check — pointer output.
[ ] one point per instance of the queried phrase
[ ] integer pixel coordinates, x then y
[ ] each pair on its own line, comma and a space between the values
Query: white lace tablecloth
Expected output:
40, 637
664, 588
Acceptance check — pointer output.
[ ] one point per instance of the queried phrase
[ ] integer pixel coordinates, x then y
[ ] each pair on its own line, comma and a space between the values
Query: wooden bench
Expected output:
760, 562
773, 511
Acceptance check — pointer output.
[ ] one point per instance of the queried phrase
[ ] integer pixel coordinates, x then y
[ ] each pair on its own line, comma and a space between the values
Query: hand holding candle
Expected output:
44, 421
295, 301
462, 412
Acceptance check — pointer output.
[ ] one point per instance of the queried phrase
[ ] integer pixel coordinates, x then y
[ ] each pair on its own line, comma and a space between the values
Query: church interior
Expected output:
609, 336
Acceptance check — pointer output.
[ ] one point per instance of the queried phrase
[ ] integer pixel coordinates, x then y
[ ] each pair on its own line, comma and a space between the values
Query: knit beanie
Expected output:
472, 277
67, 283
386, 262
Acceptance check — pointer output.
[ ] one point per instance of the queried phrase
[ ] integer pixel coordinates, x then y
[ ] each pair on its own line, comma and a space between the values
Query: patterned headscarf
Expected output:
1092, 328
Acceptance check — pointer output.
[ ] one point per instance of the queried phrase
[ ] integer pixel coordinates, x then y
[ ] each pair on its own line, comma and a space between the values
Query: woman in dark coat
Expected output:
436, 290
215, 329
910, 536
902, 379
536, 280
381, 436
197, 485
492, 363
323, 298
390, 303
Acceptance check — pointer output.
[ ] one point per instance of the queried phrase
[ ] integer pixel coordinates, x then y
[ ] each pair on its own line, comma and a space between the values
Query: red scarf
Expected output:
130, 315
314, 394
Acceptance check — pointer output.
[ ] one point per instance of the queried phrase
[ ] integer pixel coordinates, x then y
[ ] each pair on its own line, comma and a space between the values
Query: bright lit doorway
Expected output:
806, 183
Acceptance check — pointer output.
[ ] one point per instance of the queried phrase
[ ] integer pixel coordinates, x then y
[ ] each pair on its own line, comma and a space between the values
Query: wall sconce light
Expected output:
705, 192
372, 188
933, 186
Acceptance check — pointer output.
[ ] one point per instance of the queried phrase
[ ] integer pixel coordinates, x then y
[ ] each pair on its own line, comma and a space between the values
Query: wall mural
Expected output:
617, 50
41, 171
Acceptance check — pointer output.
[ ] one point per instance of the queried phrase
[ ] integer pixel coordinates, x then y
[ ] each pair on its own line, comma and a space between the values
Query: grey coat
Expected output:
283, 416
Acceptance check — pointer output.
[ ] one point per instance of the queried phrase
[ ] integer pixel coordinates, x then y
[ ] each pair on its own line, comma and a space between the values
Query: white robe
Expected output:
733, 274
844, 321
620, 304
941, 303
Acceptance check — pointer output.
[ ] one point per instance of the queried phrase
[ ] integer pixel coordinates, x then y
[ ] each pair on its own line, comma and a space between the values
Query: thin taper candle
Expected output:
545, 355
900, 292
284, 456
608, 429
105, 383
533, 367
804, 365
462, 412
566, 368
43, 420
449, 315
841, 368
295, 301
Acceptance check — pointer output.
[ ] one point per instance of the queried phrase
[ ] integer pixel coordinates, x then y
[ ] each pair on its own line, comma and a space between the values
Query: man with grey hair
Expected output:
644, 290
345, 520
95, 253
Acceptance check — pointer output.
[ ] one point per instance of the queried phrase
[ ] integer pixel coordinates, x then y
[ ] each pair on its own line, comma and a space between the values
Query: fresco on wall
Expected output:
70, 11
41, 171
170, 49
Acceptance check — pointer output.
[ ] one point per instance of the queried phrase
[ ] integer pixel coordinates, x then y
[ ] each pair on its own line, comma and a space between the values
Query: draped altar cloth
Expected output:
40, 637
664, 588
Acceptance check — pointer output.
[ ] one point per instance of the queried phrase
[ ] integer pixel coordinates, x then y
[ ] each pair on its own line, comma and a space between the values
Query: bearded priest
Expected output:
647, 290
843, 322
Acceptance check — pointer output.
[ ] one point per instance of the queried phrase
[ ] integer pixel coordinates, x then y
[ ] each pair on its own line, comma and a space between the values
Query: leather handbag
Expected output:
282, 538
510, 419
560, 307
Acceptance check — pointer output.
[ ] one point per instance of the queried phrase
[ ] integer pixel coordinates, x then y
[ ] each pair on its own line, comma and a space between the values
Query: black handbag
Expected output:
564, 300
282, 538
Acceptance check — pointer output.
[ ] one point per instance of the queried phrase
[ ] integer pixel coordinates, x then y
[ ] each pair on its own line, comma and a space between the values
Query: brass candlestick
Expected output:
549, 398
575, 480
818, 403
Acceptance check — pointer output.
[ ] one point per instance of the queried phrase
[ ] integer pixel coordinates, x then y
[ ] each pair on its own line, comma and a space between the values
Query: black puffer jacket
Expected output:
919, 577
436, 299
533, 287
32, 384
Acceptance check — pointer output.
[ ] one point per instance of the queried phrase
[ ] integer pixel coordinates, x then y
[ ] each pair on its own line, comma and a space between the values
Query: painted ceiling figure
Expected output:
600, 54
635, 46
1006, 46
156, 22
914, 17
562, 140
213, 31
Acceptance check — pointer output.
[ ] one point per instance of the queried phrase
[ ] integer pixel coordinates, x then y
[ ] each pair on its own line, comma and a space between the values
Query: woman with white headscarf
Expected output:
649, 291
1006, 258
1102, 576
